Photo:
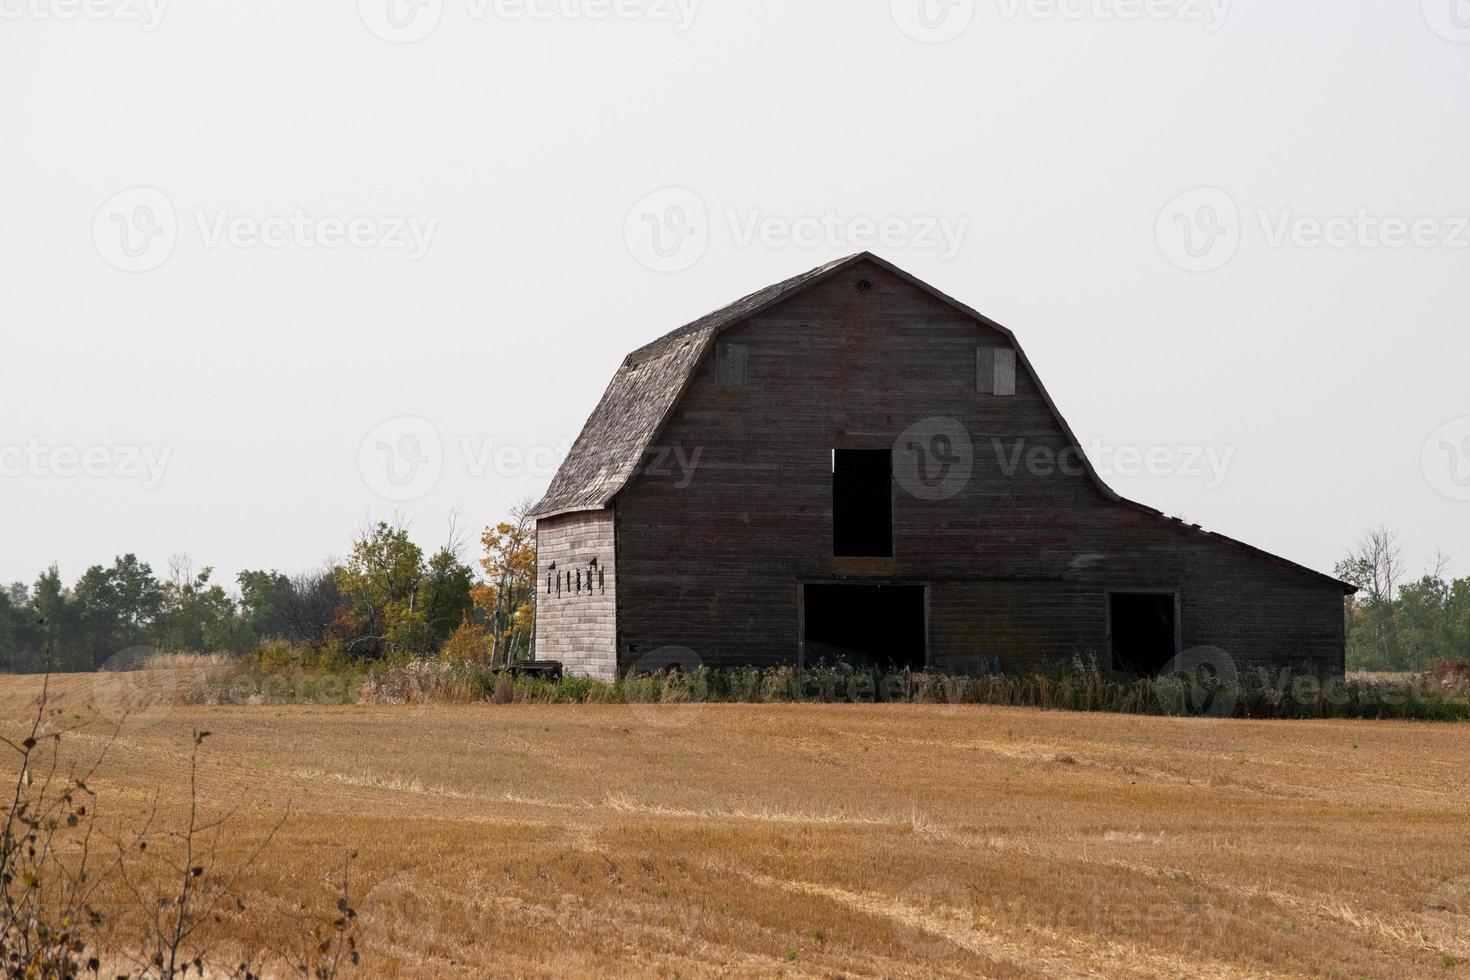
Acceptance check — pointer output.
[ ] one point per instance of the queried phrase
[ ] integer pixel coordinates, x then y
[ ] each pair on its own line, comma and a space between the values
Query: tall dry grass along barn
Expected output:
851, 466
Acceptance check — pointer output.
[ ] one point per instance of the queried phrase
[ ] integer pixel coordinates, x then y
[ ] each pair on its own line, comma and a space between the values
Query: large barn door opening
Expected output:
1143, 626
864, 625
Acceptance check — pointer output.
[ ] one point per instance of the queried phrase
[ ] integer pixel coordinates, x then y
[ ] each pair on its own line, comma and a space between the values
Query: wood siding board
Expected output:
580, 630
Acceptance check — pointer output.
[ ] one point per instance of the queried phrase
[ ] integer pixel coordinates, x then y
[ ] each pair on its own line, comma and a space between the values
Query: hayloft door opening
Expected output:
1144, 629
862, 503
864, 625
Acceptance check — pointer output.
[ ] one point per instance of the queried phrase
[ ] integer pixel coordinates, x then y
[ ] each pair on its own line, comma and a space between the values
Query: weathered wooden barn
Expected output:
851, 466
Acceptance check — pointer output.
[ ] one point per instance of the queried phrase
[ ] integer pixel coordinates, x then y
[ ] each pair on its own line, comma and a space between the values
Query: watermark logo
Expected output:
933, 459
403, 909
131, 684
1450, 19
1199, 230
1201, 682
937, 908
148, 14
833, 231
401, 21
407, 21
933, 21
402, 459
135, 230
680, 696
668, 230
1446, 459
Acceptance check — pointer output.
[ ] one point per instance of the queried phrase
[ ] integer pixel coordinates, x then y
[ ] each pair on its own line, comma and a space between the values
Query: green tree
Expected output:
264, 597
444, 596
99, 618
55, 618
139, 597
380, 583
193, 614
10, 632
1410, 627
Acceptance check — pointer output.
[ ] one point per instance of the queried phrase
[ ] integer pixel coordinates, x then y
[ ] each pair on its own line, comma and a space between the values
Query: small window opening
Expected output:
995, 371
731, 362
862, 503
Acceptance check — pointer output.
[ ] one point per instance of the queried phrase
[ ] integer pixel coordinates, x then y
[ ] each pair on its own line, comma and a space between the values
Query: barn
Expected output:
850, 466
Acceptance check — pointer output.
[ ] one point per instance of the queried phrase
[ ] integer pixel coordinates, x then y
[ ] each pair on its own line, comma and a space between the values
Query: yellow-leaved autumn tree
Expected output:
508, 596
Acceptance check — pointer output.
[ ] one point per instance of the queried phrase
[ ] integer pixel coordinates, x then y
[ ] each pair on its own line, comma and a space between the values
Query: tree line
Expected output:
387, 598
1401, 624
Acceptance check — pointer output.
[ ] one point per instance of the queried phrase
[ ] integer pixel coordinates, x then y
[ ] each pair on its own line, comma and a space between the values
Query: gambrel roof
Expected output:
642, 395
652, 379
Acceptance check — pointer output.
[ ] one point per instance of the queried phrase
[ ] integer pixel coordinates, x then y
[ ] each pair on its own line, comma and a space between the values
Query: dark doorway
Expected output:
862, 503
865, 625
1142, 625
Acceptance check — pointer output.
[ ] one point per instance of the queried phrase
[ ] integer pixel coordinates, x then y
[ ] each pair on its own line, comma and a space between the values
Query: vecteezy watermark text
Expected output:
1201, 230
407, 21
35, 459
403, 458
938, 21
1209, 13
934, 459
300, 229
833, 231
670, 229
137, 229
147, 14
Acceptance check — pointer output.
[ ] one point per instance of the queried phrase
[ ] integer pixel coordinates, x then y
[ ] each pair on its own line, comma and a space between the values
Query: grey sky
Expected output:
507, 162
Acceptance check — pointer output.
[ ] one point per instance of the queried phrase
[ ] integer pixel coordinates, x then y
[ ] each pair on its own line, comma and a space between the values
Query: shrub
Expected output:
280, 673
53, 877
467, 644
1451, 671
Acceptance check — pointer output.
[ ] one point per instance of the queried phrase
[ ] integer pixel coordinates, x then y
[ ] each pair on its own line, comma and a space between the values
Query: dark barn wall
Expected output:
1018, 562
575, 627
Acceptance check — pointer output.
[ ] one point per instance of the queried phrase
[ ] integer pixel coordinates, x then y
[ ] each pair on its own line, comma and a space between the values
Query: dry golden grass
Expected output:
832, 840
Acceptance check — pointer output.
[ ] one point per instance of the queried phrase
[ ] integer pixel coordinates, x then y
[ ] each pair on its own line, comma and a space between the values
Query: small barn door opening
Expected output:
862, 503
864, 625
1144, 631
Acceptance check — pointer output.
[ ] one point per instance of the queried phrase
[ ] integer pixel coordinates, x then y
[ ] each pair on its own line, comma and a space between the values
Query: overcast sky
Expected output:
272, 269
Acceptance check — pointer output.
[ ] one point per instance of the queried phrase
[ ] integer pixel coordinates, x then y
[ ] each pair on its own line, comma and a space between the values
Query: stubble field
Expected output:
815, 840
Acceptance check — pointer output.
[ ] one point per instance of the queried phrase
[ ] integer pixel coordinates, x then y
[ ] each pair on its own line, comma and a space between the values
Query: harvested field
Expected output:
820, 840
